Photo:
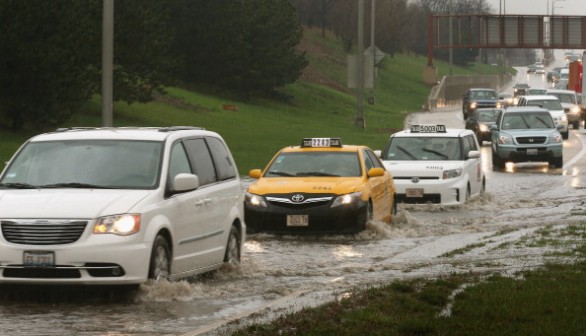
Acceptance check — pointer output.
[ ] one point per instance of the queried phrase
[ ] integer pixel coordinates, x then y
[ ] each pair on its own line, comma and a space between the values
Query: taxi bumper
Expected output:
273, 218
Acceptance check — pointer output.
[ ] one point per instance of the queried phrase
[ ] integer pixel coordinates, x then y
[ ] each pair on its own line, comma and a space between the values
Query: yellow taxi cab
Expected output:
321, 186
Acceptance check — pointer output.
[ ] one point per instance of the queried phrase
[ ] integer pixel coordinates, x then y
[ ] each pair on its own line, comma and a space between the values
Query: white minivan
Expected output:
119, 206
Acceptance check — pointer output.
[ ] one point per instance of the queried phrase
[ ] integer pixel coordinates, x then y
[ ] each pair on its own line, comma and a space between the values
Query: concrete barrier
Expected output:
449, 90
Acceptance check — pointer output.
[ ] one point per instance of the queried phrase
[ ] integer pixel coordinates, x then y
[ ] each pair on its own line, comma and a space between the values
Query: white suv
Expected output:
119, 206
569, 101
553, 105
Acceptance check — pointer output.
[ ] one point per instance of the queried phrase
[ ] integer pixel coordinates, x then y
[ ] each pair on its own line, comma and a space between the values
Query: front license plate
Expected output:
297, 220
38, 258
532, 151
412, 192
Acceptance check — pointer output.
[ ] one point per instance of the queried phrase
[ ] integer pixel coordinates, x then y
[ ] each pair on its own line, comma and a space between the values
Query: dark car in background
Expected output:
476, 98
480, 120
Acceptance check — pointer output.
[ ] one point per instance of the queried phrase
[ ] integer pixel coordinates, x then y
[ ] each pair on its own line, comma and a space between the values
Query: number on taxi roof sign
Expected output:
428, 129
321, 142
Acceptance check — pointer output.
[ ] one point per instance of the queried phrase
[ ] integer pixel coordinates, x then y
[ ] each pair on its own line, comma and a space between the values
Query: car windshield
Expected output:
527, 120
551, 104
484, 95
424, 148
564, 97
86, 164
315, 163
487, 115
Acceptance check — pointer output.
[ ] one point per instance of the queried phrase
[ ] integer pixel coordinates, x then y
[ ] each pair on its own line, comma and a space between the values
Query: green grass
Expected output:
547, 301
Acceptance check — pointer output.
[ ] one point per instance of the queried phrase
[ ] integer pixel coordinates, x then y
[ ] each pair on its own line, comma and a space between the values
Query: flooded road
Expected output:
280, 274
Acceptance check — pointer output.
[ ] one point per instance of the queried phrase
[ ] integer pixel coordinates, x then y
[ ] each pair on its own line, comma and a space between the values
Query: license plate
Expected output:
297, 220
411, 192
38, 258
532, 151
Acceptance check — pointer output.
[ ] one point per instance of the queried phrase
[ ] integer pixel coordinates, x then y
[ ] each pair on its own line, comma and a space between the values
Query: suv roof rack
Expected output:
160, 129
179, 128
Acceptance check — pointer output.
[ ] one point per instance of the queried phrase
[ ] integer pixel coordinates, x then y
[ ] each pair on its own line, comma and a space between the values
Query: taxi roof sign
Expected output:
321, 142
428, 128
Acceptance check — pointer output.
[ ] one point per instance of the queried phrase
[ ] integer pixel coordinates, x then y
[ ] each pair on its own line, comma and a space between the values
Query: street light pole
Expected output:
359, 121
107, 62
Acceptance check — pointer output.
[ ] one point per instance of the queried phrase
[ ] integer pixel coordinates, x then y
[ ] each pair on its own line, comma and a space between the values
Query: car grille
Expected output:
531, 140
42, 232
299, 200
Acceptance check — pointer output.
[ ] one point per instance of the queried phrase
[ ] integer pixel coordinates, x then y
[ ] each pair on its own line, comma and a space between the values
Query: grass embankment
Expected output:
321, 106
548, 301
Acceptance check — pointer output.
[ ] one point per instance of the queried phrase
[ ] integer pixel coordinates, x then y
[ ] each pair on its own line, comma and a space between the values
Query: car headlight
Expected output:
473, 105
505, 139
347, 199
483, 128
452, 173
556, 138
254, 200
564, 118
121, 225
575, 110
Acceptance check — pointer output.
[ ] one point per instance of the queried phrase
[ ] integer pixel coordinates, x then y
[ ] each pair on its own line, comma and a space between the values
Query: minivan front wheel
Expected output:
160, 264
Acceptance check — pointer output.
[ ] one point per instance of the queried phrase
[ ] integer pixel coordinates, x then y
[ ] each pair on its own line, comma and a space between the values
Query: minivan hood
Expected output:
67, 203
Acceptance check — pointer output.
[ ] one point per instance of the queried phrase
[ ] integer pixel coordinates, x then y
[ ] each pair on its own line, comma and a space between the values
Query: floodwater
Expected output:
280, 274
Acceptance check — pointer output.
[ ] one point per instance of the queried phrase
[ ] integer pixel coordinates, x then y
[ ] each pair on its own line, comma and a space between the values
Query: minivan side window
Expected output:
226, 169
201, 160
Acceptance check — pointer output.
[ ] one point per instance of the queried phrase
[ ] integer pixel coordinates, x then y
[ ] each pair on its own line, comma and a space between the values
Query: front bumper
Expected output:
96, 261
530, 153
435, 190
321, 217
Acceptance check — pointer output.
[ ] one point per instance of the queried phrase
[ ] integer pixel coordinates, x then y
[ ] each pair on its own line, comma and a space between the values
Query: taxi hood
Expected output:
67, 203
317, 185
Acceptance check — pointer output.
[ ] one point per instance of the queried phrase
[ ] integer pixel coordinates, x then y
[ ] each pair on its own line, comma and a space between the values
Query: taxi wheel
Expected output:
467, 192
160, 265
232, 254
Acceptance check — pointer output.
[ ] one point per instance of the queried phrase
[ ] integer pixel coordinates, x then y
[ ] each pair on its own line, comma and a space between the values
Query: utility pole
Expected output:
372, 47
359, 121
107, 62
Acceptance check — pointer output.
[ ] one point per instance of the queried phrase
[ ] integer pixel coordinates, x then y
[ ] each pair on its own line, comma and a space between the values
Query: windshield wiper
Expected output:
18, 186
542, 121
315, 174
280, 173
402, 149
75, 185
435, 152
525, 122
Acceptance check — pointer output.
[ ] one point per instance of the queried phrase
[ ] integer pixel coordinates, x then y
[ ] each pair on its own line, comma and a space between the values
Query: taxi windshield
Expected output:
315, 163
424, 148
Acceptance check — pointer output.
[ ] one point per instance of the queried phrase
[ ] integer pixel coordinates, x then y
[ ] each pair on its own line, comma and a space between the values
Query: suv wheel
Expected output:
557, 162
565, 135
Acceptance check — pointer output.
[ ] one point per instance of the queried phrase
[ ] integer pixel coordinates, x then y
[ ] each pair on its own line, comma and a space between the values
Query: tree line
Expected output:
50, 51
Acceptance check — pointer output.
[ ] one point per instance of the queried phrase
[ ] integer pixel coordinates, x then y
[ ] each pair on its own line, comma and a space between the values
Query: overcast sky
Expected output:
540, 7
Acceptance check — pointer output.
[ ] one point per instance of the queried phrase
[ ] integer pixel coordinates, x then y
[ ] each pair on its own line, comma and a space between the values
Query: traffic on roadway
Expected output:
284, 272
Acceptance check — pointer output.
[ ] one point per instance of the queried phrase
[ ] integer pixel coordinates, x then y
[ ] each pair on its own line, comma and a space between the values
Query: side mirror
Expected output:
473, 154
185, 182
255, 173
494, 128
375, 172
